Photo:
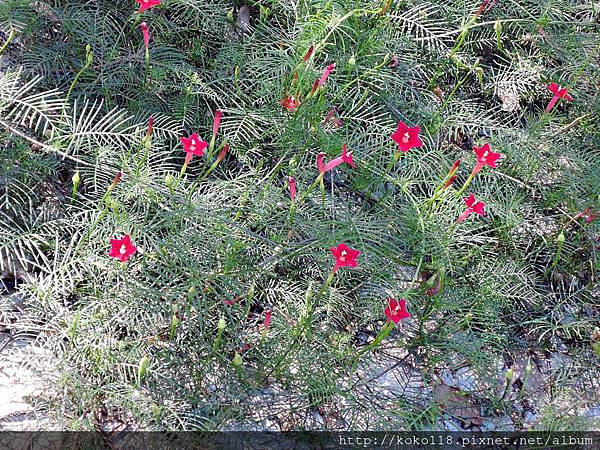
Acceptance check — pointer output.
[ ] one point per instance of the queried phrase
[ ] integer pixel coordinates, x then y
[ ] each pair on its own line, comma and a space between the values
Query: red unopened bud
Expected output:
267, 322
314, 87
451, 180
217, 122
454, 167
150, 127
117, 178
223, 152
309, 53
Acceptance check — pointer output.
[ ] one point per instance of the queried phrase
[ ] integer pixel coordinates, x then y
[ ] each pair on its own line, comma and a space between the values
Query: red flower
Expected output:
193, 146
559, 93
320, 82
147, 4
396, 310
122, 249
344, 256
292, 187
588, 215
289, 103
345, 157
217, 122
406, 137
146, 33
485, 157
325, 75
472, 207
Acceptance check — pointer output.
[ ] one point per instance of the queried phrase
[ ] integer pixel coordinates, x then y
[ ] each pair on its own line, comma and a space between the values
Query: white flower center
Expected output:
192, 146
485, 154
123, 249
406, 137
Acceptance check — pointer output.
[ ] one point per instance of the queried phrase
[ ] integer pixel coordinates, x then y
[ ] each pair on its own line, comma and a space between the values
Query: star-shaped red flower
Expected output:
345, 157
407, 137
560, 92
485, 157
344, 256
122, 249
147, 4
396, 310
193, 145
290, 103
473, 206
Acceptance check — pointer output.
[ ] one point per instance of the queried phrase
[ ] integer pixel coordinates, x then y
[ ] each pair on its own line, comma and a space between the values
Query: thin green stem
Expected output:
10, 37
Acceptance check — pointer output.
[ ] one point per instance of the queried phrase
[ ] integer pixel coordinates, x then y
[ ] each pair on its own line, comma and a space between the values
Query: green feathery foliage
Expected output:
226, 243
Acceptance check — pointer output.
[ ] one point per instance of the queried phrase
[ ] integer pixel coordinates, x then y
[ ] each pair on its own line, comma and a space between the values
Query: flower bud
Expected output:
230, 15
143, 367
223, 152
308, 53
561, 237
264, 12
222, 324
498, 26
169, 180
117, 179
237, 360
352, 61
509, 374
76, 178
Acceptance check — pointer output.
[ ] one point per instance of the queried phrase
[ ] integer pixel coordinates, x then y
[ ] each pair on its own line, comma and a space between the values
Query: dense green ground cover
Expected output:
229, 314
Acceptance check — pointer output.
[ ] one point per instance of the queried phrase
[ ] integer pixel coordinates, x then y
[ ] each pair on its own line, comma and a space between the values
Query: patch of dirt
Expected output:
26, 373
